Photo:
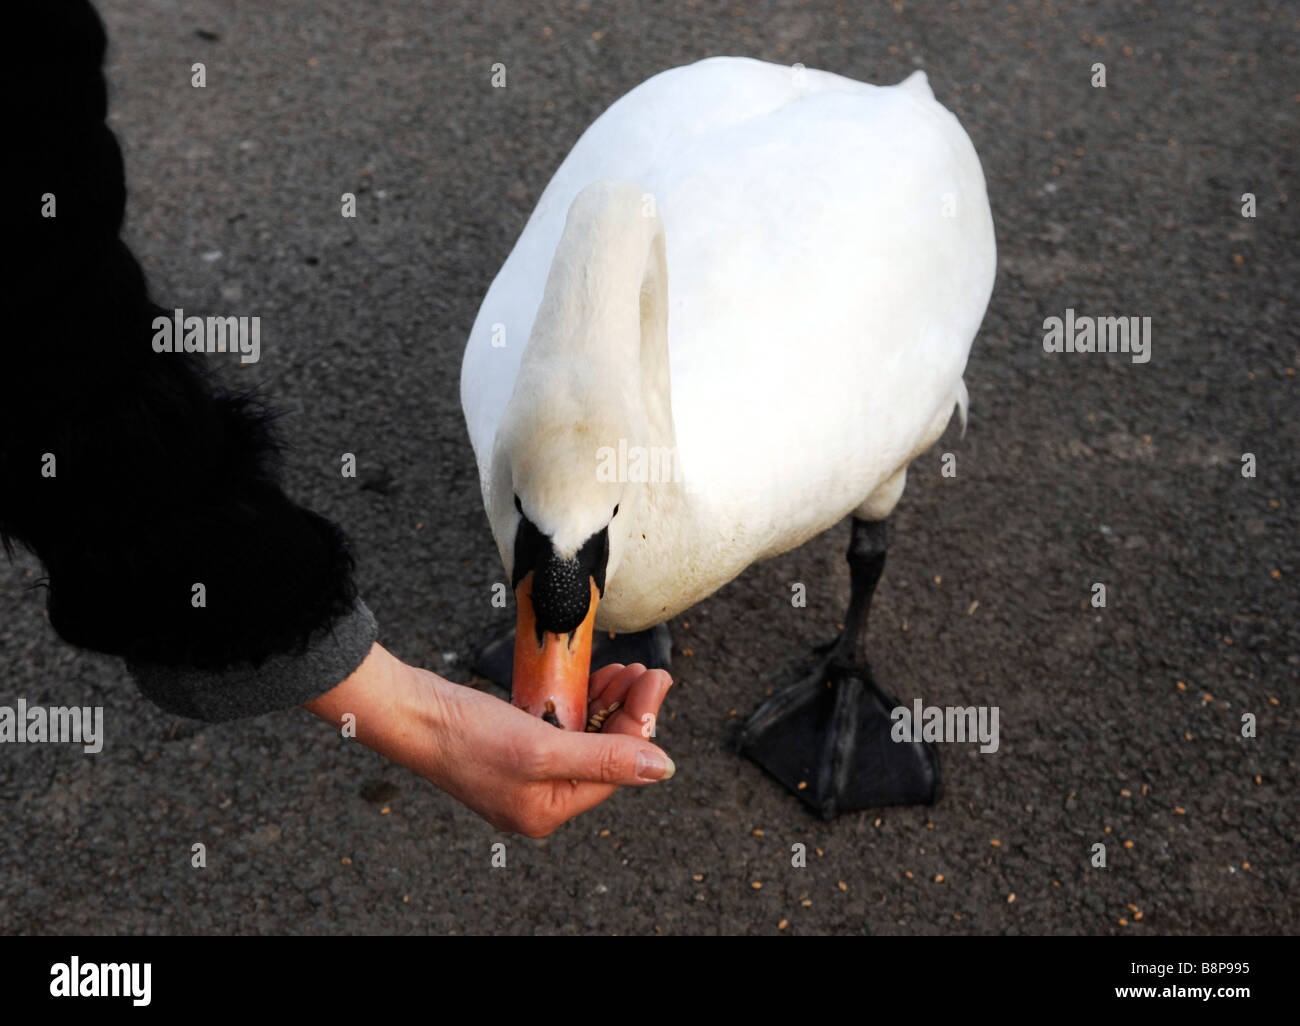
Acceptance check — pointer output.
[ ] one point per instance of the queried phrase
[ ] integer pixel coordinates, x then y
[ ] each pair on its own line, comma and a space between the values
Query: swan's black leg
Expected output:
495, 661
827, 737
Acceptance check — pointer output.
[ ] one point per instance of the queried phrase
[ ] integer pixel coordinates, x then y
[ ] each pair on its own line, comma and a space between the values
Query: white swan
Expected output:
761, 283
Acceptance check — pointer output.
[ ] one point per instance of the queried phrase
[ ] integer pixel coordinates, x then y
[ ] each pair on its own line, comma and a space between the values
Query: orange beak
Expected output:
550, 676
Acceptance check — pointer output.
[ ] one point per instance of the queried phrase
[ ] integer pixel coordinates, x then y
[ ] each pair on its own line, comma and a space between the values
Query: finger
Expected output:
615, 690
600, 681
641, 703
569, 798
601, 759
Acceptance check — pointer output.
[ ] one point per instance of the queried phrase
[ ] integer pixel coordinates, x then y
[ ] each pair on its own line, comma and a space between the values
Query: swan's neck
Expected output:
602, 323
593, 380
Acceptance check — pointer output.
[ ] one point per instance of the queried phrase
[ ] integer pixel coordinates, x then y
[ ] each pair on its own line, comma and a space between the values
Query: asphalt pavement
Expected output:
1120, 725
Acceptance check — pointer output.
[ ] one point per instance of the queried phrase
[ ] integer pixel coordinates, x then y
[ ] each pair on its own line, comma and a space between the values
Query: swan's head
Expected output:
562, 526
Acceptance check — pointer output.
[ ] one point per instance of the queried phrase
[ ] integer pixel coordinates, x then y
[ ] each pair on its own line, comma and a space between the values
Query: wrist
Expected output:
388, 706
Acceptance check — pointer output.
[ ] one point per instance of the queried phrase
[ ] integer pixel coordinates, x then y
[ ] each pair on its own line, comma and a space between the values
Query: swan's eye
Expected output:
519, 506
614, 514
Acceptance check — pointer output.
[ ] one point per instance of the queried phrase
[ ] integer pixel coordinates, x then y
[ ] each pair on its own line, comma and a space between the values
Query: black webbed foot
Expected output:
827, 740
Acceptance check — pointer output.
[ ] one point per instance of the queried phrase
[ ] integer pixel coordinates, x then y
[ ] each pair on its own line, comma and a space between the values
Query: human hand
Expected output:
516, 771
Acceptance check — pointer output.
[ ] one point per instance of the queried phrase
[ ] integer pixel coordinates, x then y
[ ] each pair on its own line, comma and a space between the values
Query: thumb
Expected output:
605, 759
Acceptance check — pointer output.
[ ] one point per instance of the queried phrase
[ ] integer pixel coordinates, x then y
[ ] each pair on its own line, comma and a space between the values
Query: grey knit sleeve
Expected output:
282, 680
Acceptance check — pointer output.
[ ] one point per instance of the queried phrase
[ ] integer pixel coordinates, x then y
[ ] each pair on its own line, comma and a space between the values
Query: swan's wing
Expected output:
829, 266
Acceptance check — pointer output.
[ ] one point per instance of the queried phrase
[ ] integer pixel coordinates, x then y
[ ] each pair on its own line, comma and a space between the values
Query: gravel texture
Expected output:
1076, 469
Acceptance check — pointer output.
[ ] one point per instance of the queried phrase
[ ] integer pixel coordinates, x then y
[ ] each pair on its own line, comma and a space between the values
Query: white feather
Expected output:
830, 255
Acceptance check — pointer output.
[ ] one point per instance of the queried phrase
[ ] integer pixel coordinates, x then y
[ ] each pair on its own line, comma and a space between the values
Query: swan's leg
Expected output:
827, 737
495, 661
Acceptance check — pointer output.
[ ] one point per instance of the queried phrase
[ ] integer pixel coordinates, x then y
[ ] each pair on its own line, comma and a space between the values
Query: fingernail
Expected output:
654, 766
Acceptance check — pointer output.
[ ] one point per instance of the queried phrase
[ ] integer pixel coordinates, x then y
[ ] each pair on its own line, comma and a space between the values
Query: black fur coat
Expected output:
161, 478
